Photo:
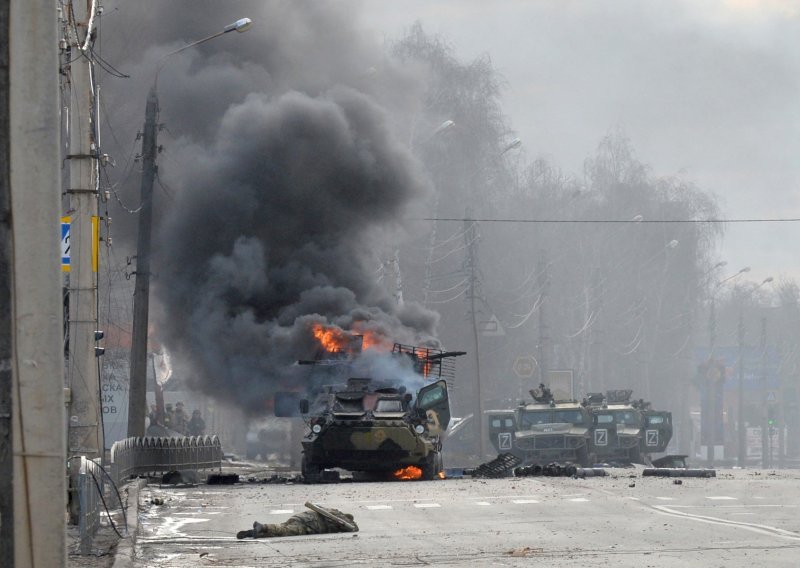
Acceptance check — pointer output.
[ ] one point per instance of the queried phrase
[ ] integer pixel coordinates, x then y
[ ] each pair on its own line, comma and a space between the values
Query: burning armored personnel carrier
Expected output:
543, 431
377, 426
626, 430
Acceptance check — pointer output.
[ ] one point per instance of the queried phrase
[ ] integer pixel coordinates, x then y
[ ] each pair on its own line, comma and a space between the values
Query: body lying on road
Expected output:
318, 520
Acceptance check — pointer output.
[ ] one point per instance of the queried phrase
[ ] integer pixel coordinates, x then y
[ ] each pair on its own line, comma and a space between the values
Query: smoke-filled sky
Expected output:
710, 90
289, 164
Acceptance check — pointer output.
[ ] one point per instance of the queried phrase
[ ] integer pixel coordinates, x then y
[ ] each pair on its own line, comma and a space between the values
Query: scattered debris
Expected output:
223, 479
498, 467
632, 484
677, 482
524, 552
276, 479
677, 472
583, 472
180, 477
671, 461
559, 470
157, 501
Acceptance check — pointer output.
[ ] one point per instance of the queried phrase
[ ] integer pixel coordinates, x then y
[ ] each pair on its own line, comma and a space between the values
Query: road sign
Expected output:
65, 256
525, 366
491, 327
772, 396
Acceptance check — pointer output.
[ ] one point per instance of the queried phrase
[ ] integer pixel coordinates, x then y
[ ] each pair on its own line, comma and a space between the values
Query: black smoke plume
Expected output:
290, 184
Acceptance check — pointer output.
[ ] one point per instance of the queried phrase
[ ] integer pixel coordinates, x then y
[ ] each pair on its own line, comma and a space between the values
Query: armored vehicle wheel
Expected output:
432, 467
311, 473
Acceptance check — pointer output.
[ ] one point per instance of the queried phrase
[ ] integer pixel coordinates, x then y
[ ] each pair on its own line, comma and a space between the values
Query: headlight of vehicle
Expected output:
419, 428
316, 428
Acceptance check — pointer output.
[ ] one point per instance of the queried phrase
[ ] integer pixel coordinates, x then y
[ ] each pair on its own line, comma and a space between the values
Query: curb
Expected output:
123, 558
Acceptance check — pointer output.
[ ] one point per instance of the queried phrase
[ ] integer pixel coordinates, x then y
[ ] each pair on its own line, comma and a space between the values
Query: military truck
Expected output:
543, 431
377, 427
627, 431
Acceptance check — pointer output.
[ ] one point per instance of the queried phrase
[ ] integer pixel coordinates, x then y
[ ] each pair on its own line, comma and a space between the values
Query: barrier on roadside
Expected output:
142, 456
90, 486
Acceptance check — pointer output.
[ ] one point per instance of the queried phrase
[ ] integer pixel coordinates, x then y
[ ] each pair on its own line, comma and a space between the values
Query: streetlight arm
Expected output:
238, 26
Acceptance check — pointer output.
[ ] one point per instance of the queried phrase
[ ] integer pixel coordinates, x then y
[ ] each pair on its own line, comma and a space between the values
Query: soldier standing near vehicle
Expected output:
179, 419
196, 426
169, 415
319, 520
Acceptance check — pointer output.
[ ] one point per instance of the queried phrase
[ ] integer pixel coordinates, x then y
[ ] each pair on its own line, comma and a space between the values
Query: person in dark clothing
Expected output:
196, 426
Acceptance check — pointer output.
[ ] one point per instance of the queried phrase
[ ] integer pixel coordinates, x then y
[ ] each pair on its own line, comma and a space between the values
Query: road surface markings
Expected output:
634, 498
483, 503
378, 507
579, 500
665, 498
524, 501
426, 505
281, 512
720, 498
757, 528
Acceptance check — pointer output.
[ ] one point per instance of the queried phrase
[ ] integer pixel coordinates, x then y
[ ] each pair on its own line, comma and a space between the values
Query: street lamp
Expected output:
740, 425
137, 398
712, 338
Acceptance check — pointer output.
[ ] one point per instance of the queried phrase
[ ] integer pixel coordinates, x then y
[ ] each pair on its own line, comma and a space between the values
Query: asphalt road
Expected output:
741, 518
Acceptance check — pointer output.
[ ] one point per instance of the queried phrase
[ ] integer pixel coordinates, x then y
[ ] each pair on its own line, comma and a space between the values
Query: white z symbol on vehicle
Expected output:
651, 437
504, 441
601, 437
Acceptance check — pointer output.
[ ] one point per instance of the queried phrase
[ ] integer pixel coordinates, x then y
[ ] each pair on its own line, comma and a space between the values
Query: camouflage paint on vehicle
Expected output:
370, 428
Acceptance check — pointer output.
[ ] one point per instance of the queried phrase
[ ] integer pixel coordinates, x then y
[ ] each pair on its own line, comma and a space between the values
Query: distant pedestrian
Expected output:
169, 414
196, 426
179, 419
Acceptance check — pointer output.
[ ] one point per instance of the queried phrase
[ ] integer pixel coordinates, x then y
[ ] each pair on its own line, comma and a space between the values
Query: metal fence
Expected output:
138, 456
90, 484
141, 456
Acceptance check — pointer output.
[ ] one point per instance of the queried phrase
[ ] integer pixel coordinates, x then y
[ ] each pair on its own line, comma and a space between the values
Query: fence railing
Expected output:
90, 478
139, 456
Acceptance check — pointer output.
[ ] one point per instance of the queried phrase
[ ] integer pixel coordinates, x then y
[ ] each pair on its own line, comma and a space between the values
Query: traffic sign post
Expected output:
525, 366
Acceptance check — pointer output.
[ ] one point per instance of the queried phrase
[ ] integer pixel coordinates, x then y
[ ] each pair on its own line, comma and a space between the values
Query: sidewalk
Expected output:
109, 551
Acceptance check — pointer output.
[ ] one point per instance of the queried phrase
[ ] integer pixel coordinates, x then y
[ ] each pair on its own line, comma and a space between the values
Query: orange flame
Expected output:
440, 475
408, 473
332, 339
336, 340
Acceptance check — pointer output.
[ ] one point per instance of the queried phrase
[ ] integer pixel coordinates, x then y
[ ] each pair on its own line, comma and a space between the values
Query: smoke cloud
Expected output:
290, 183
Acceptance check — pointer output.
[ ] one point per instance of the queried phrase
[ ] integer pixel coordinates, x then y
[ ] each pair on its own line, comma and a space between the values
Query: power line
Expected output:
608, 221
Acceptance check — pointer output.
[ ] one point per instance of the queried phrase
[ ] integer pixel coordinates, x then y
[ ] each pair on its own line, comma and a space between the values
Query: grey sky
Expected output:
708, 90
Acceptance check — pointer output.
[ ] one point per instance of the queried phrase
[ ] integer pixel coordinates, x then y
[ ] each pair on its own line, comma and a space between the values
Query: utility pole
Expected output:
471, 238
544, 339
85, 420
137, 393
6, 325
766, 445
741, 457
30, 287
710, 387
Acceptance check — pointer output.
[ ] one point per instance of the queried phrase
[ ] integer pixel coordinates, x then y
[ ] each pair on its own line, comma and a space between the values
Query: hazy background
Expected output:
710, 90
